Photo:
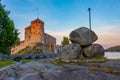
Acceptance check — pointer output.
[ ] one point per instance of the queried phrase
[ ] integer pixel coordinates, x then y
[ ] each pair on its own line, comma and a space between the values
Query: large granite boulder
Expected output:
70, 51
83, 36
93, 50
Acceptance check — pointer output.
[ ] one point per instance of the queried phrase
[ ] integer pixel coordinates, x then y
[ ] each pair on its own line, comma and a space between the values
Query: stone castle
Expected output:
35, 36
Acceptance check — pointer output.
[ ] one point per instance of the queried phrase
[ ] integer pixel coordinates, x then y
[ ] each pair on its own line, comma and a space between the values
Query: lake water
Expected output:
112, 55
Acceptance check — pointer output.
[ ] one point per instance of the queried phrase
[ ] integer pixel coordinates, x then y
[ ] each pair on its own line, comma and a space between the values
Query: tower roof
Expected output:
37, 20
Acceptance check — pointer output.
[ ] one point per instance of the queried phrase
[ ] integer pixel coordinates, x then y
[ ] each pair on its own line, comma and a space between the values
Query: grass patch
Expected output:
28, 60
81, 60
58, 62
6, 62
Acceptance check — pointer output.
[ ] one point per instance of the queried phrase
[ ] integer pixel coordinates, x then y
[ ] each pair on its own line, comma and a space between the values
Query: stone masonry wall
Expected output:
50, 42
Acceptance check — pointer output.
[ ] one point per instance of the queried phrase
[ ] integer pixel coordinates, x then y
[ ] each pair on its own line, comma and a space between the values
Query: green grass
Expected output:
58, 62
28, 60
8, 62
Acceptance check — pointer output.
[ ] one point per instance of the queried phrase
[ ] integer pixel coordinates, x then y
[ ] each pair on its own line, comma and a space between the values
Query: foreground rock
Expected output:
94, 50
83, 36
44, 70
70, 51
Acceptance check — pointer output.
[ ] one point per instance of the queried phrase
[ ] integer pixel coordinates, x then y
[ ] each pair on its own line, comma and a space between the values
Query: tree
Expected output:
8, 33
65, 41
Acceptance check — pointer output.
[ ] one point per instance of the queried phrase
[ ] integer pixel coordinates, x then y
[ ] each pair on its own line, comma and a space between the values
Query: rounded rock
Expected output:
93, 50
70, 51
83, 36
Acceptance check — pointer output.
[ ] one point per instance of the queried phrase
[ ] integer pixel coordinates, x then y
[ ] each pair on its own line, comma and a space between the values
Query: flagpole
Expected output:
89, 10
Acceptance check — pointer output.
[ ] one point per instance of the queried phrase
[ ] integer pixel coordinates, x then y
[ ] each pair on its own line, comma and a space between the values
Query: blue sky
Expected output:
63, 16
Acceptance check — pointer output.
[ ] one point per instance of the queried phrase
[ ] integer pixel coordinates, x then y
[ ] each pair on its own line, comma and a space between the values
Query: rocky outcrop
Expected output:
83, 36
94, 50
43, 70
70, 51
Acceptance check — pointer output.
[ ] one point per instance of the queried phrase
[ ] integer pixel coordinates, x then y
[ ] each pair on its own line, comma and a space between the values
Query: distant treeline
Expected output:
113, 49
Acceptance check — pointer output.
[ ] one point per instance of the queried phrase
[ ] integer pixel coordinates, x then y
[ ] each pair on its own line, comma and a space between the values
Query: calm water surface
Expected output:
112, 55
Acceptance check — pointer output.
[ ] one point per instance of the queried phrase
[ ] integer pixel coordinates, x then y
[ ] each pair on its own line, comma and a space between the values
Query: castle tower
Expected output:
27, 33
37, 31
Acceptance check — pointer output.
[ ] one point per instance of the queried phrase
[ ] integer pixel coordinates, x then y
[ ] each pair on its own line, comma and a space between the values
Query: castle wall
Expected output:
50, 43
16, 48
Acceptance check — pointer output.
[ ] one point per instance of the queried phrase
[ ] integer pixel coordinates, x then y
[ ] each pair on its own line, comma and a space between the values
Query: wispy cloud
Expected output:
59, 34
111, 29
108, 35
